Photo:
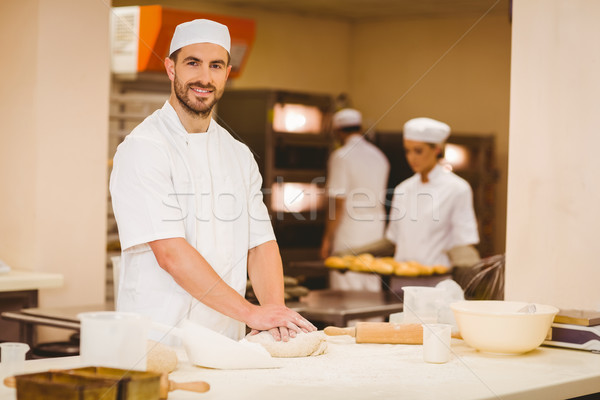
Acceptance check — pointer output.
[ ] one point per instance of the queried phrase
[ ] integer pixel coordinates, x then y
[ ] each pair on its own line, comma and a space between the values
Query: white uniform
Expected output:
203, 187
358, 171
428, 219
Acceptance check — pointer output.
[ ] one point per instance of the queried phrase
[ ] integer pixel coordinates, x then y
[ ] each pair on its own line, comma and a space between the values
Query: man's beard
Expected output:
202, 109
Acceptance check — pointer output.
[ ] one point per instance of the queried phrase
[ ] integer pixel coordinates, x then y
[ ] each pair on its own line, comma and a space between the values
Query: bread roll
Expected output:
348, 259
407, 269
440, 269
382, 267
425, 269
335, 262
362, 262
390, 260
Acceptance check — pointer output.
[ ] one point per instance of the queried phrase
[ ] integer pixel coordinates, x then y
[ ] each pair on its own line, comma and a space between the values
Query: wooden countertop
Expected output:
17, 280
369, 371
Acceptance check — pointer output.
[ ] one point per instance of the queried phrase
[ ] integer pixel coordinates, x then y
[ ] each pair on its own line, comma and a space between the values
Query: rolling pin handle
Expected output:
10, 382
335, 331
167, 385
198, 387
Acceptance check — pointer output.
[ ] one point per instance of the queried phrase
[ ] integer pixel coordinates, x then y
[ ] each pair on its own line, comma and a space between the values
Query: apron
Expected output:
212, 193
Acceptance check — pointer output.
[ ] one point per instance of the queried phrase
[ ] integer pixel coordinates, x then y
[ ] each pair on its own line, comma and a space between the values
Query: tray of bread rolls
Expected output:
366, 262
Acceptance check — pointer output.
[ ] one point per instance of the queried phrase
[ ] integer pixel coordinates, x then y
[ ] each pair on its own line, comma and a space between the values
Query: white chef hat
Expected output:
426, 130
346, 117
200, 31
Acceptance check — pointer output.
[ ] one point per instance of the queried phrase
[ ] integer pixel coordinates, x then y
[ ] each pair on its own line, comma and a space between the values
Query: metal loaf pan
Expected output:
132, 385
62, 386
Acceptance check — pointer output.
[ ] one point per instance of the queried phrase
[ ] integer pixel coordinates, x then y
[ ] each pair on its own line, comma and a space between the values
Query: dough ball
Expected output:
295, 292
160, 358
303, 345
290, 281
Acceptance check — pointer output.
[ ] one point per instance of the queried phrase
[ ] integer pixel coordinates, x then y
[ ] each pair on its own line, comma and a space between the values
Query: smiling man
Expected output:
187, 200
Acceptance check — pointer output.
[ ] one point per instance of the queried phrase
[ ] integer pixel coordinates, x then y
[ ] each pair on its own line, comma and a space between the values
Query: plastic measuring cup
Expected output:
436, 343
114, 339
422, 304
12, 355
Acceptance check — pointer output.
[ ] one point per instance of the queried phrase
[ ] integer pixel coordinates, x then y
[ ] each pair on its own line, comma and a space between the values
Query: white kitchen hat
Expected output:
346, 117
200, 31
426, 130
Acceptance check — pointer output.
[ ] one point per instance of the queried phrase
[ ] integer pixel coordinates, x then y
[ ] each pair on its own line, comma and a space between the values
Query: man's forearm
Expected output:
266, 273
194, 274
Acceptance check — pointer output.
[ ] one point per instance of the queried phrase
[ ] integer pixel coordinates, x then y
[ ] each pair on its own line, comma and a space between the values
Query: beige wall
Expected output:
450, 69
17, 136
298, 53
553, 191
53, 143
290, 51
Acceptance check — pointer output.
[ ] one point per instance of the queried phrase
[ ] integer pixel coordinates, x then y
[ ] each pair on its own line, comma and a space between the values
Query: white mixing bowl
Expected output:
497, 326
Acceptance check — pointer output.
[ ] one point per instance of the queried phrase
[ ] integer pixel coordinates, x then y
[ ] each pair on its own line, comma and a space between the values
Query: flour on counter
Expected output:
344, 364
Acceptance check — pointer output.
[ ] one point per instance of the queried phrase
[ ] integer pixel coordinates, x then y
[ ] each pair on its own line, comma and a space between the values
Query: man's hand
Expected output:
325, 248
280, 321
266, 274
279, 334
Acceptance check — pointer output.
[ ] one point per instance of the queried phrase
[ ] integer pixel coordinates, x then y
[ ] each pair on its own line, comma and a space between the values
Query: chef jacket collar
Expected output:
436, 172
175, 122
355, 137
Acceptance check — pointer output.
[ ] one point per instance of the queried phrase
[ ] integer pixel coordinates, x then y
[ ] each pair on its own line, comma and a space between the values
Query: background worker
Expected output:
357, 177
432, 212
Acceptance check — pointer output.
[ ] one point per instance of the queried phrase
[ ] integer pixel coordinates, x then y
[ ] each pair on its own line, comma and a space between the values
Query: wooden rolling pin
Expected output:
166, 385
382, 332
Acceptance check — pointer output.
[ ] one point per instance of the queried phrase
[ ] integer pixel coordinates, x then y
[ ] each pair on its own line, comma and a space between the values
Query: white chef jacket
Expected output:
203, 187
358, 171
428, 219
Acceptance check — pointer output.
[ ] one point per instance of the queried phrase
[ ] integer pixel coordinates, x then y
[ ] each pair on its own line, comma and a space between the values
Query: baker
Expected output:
357, 177
189, 209
431, 215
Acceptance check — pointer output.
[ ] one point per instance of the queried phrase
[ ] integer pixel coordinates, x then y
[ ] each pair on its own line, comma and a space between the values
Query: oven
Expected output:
289, 134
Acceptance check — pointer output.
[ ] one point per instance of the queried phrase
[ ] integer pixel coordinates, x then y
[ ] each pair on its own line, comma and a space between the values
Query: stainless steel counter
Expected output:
337, 307
19, 289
